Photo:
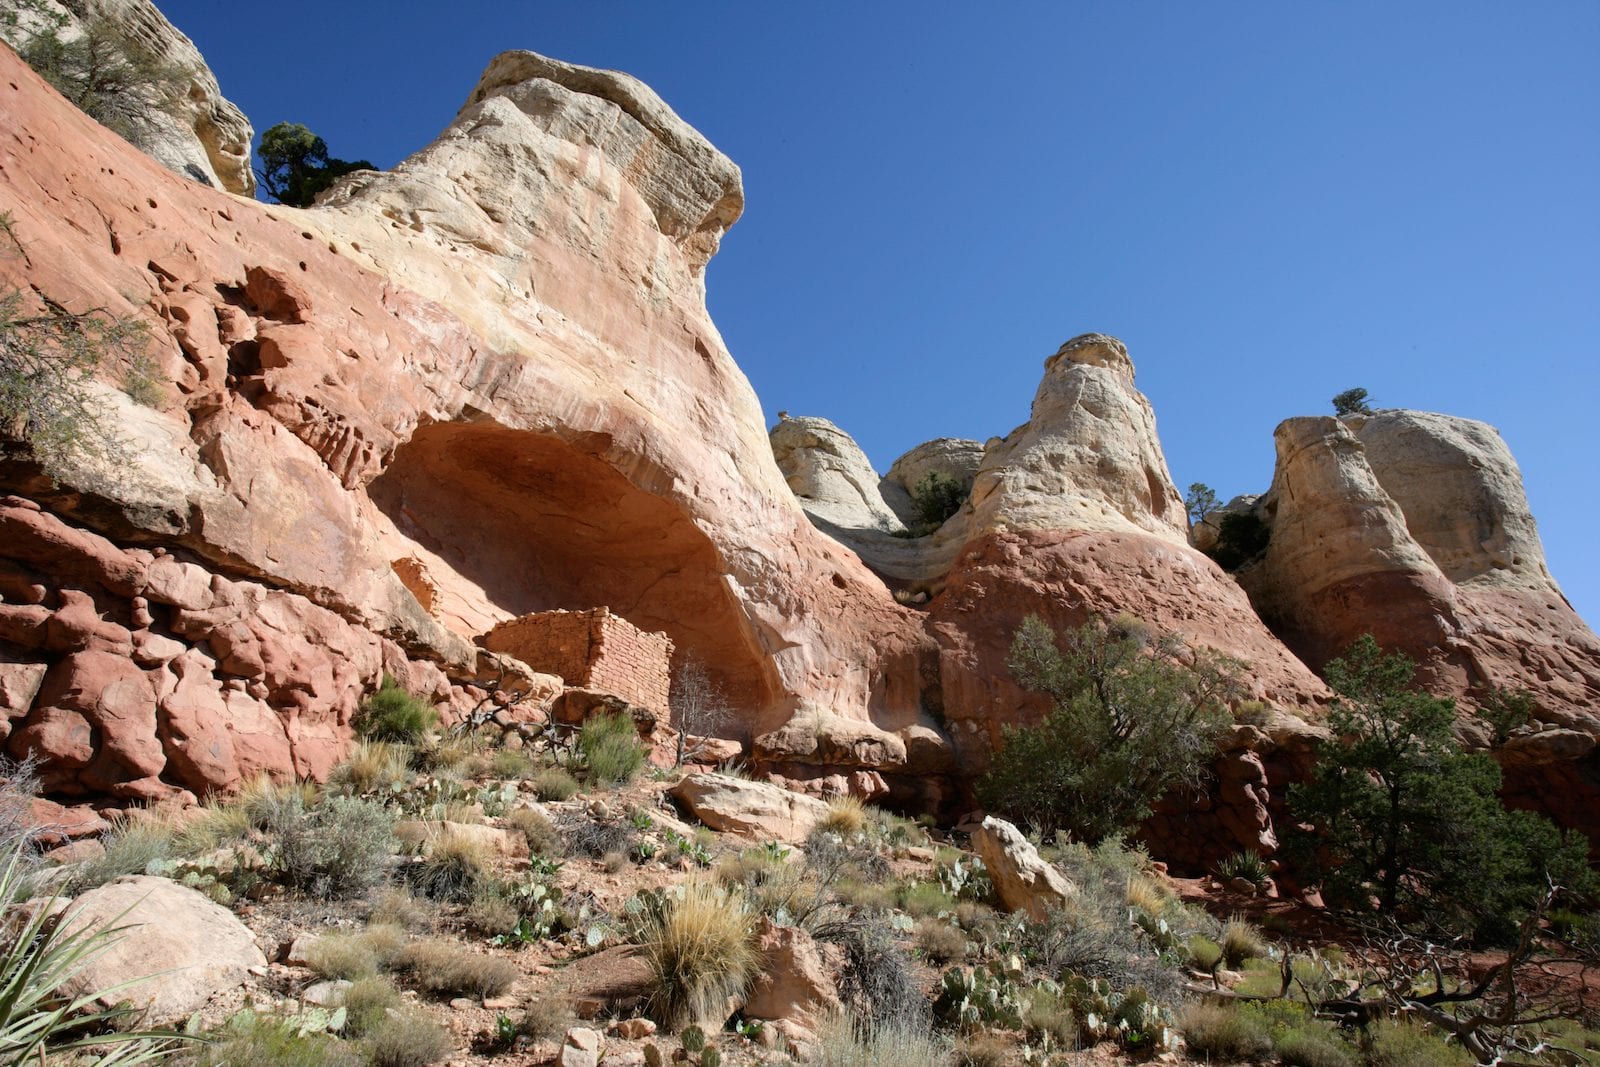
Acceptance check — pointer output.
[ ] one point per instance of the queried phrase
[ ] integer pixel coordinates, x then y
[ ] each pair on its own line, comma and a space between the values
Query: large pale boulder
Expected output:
194, 947
196, 132
1023, 880
830, 476
755, 809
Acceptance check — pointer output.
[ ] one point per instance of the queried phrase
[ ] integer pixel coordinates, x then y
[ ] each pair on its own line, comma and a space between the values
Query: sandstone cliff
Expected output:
480, 385
195, 131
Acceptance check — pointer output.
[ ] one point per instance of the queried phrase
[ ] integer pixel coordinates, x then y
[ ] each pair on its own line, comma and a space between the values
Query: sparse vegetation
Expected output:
934, 500
339, 847
50, 358
443, 967
1131, 718
1351, 402
554, 783
700, 709
406, 1038
609, 745
699, 950
104, 69
394, 715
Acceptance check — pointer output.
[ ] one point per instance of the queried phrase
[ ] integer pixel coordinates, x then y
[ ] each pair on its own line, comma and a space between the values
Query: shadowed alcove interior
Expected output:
508, 522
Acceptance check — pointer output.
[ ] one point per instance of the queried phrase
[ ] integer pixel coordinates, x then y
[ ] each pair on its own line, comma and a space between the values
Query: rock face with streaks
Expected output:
1414, 527
194, 131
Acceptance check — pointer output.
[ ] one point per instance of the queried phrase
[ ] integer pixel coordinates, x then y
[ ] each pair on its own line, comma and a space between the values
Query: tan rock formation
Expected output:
1023, 880
831, 477
193, 947
1414, 527
493, 364
197, 133
756, 809
954, 457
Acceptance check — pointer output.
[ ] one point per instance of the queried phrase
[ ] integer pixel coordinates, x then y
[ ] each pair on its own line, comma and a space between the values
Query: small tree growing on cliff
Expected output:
1351, 402
295, 165
699, 709
1406, 823
1200, 501
1133, 716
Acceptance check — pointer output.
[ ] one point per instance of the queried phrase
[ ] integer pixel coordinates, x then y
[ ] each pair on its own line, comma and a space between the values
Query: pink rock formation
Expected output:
492, 366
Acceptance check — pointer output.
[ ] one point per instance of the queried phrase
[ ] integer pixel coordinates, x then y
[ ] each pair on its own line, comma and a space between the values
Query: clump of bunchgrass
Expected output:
132, 846
609, 745
406, 1037
846, 816
443, 967
450, 868
1241, 941
541, 834
844, 1041
554, 783
372, 766
1224, 1034
700, 951
940, 942
367, 1001
392, 714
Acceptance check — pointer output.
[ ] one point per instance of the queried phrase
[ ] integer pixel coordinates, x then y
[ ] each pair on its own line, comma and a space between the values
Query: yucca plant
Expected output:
40, 951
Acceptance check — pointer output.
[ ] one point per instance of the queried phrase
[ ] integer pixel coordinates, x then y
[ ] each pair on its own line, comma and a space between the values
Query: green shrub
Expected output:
554, 783
1405, 820
1242, 536
1204, 954
1246, 865
338, 848
510, 763
935, 498
1351, 402
610, 748
1129, 721
1313, 1045
1223, 1034
1403, 1044
394, 715
923, 899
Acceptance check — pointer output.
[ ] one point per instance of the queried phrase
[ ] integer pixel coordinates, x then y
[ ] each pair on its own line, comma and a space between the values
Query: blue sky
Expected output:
1268, 202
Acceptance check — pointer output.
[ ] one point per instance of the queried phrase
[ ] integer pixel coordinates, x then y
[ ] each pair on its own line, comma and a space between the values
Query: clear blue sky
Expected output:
1268, 202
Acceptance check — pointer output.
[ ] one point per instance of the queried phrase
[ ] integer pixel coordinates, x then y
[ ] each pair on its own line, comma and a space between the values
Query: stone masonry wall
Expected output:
591, 649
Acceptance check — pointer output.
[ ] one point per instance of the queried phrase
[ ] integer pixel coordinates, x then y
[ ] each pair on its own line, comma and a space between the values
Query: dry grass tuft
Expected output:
407, 1038
1241, 941
373, 766
441, 966
846, 816
699, 951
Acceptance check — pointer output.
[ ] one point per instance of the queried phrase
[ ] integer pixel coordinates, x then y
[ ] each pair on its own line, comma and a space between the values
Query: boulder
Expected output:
195, 947
796, 983
830, 476
755, 809
1022, 879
